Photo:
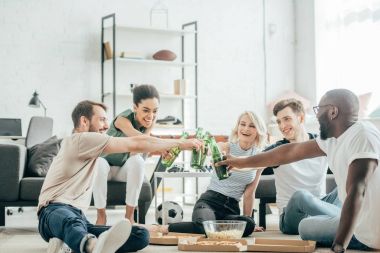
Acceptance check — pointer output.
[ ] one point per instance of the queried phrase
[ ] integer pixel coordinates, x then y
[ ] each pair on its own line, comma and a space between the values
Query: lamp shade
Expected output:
34, 101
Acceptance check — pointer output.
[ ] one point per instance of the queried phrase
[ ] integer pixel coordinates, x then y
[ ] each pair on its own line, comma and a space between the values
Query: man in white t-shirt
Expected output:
352, 148
300, 185
66, 191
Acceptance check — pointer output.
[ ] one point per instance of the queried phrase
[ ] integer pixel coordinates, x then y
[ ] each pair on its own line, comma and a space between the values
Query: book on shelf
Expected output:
132, 55
107, 50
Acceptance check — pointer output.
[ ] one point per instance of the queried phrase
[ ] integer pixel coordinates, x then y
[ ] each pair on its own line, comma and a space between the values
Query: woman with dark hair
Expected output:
127, 167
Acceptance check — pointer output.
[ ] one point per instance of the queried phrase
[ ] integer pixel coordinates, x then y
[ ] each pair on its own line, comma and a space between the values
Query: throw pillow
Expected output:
41, 155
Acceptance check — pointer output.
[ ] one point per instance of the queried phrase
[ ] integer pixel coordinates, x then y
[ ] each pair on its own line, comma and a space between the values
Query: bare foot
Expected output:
129, 214
259, 229
131, 220
101, 220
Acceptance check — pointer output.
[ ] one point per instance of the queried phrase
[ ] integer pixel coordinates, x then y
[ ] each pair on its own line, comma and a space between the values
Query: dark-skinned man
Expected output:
352, 148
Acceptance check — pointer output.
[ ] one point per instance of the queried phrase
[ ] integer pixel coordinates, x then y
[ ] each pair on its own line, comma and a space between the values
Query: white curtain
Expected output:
348, 47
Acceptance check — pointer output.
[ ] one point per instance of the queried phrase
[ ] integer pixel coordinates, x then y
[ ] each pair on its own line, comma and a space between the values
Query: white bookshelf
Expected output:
172, 32
153, 62
118, 72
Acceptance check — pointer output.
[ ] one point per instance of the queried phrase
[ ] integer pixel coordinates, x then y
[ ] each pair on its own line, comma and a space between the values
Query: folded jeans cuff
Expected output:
82, 245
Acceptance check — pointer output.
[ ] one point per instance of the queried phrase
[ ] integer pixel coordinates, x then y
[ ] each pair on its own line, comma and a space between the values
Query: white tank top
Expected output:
234, 186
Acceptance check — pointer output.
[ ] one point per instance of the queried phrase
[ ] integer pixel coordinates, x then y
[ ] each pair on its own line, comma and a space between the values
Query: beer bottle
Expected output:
221, 171
173, 153
196, 156
206, 141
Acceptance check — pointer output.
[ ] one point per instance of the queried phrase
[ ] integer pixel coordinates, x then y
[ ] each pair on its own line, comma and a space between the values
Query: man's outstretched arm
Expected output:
359, 173
146, 144
281, 155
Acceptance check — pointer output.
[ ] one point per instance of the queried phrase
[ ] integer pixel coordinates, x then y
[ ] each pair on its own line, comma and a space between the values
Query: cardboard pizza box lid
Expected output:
281, 245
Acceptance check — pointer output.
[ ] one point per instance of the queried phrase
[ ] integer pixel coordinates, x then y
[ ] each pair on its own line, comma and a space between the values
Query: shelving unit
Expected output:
150, 29
153, 62
125, 64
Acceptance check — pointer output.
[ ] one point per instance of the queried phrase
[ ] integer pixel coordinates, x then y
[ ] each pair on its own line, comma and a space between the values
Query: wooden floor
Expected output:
20, 234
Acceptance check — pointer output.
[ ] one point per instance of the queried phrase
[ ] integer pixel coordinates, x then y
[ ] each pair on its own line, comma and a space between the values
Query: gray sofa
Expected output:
17, 190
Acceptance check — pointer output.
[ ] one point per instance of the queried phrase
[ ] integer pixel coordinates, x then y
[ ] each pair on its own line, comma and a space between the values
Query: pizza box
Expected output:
171, 238
215, 245
281, 245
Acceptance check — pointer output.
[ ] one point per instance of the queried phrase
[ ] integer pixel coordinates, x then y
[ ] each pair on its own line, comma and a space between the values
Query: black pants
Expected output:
213, 206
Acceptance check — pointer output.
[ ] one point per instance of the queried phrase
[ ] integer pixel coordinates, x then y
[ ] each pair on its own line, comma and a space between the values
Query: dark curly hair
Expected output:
144, 91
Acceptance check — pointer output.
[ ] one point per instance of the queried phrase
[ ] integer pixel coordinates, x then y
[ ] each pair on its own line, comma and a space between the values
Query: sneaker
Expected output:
57, 246
112, 239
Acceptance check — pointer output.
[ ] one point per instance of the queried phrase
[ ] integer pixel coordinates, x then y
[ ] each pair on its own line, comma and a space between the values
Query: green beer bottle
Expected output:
196, 156
221, 171
206, 140
173, 153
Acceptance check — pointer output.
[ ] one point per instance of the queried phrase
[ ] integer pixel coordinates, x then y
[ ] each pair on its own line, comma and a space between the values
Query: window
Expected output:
348, 47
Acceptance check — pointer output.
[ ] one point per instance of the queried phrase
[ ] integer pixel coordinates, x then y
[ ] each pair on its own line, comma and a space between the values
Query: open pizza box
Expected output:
214, 245
281, 245
170, 238
248, 244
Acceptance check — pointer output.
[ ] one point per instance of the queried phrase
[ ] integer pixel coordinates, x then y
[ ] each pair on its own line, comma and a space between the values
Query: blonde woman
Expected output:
221, 200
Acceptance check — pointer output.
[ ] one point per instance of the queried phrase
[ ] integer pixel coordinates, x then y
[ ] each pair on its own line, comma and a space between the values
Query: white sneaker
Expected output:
112, 239
57, 246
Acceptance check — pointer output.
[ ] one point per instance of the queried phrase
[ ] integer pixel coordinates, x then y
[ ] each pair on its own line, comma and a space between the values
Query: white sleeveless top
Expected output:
234, 186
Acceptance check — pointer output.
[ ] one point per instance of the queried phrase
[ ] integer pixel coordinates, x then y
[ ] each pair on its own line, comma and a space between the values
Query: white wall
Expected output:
280, 43
53, 47
305, 78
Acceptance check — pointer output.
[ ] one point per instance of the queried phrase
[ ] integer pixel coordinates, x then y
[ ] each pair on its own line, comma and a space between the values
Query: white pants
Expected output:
132, 172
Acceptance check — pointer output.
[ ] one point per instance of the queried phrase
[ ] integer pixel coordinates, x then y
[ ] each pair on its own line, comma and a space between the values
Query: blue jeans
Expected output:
323, 228
303, 204
71, 226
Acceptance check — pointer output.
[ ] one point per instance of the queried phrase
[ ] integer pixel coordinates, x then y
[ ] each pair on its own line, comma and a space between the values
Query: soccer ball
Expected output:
173, 212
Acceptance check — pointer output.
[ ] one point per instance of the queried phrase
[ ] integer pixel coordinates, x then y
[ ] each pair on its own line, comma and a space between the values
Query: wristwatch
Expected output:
338, 248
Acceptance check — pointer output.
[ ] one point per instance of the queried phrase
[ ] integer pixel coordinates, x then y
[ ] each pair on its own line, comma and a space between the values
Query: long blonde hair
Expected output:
261, 139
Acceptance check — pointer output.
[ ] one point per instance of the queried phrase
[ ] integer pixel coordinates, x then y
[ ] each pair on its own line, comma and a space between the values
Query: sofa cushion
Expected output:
30, 188
40, 157
116, 192
266, 187
12, 164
